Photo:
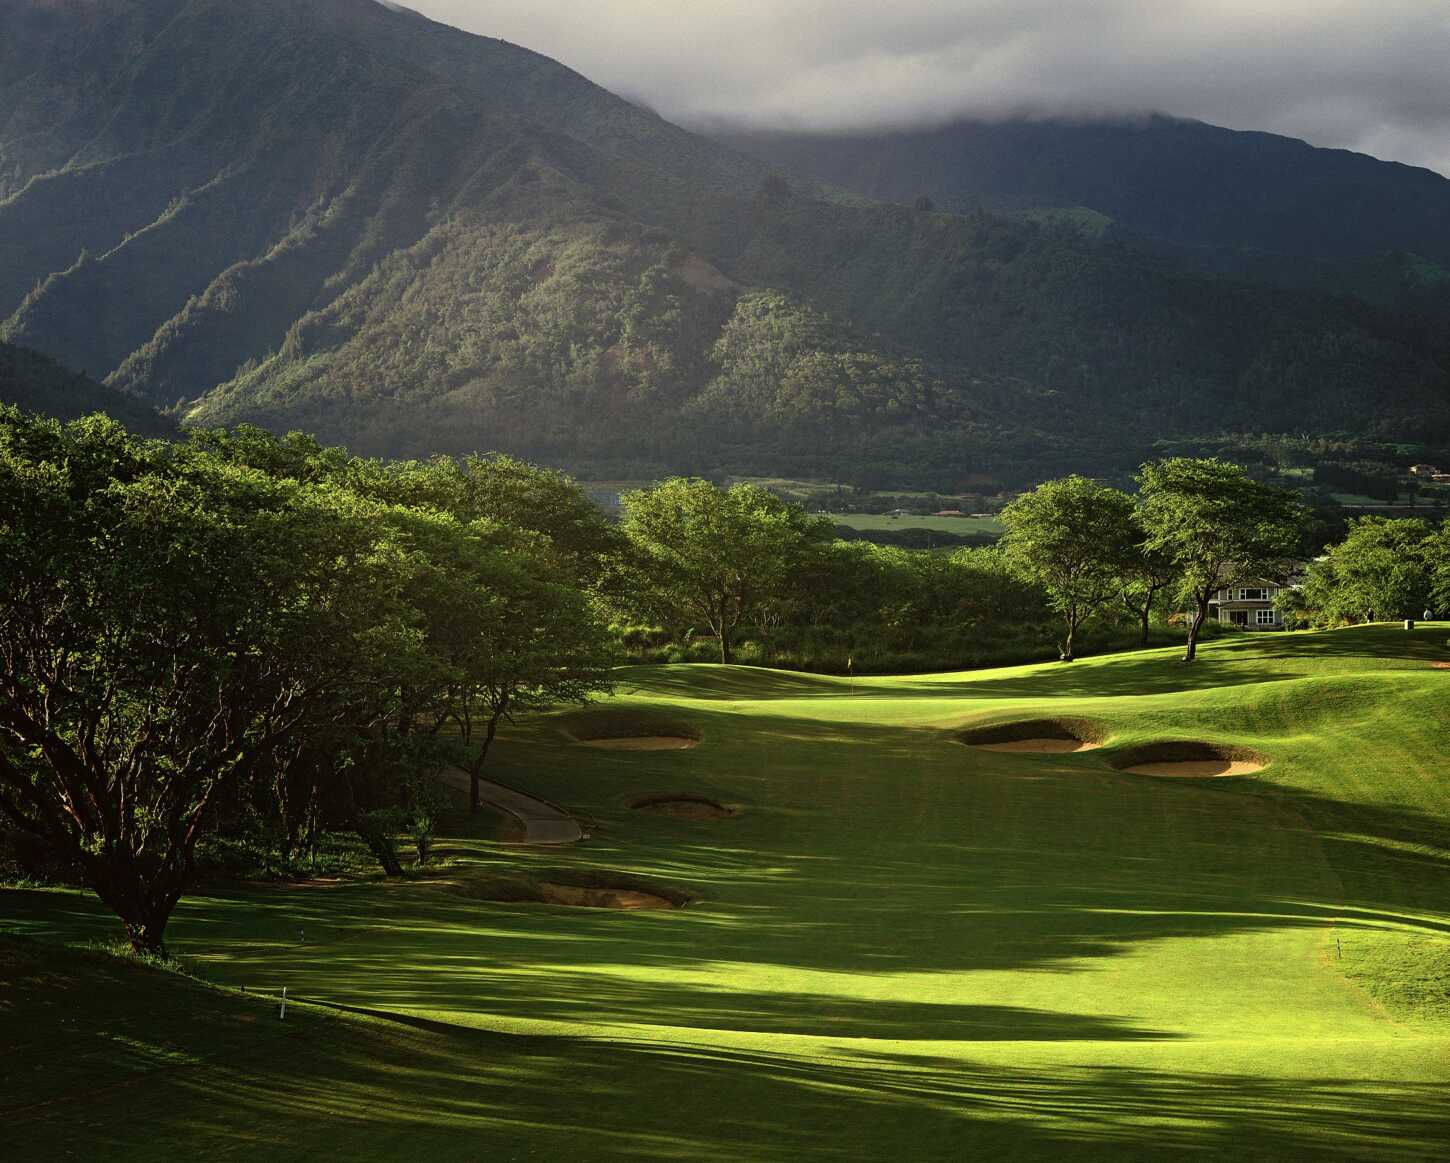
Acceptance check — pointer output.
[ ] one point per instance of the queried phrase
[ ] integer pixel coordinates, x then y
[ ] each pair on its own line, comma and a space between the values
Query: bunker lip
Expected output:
574, 888
577, 896
631, 731
1188, 759
642, 743
685, 806
1037, 736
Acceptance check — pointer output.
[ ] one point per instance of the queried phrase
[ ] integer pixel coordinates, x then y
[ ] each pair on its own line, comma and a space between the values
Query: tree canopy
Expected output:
1216, 525
1071, 536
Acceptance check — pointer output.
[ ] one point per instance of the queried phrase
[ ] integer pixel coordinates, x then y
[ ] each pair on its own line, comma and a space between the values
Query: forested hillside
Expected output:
333, 215
36, 383
1162, 177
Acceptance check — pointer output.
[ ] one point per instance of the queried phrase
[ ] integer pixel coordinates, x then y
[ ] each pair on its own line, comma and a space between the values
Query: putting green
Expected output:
903, 947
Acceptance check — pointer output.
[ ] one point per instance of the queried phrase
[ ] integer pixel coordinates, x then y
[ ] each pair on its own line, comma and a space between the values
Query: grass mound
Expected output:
1040, 736
1187, 759
685, 806
631, 731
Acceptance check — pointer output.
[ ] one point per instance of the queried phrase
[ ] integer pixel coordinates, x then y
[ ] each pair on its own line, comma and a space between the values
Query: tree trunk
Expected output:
1190, 654
475, 770
1067, 644
727, 656
146, 936
138, 898
1143, 639
379, 843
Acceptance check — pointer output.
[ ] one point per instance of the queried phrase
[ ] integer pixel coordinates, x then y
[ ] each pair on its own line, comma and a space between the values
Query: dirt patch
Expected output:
685, 807
1037, 736
643, 743
1190, 760
630, 731
702, 276
601, 898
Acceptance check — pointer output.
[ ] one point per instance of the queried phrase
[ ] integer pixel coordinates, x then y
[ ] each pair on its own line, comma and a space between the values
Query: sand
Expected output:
601, 898
1198, 768
643, 743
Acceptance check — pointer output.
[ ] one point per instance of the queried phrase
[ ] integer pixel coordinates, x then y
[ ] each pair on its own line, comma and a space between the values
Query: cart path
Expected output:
541, 821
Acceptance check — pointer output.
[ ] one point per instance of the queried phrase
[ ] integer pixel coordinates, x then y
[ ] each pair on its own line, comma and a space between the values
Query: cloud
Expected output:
1342, 73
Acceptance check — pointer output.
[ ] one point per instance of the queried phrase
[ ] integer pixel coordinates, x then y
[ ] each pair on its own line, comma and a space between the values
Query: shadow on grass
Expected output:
384, 1089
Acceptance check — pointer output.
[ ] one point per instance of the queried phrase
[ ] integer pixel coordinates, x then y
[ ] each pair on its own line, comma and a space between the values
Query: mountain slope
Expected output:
1166, 178
335, 215
36, 383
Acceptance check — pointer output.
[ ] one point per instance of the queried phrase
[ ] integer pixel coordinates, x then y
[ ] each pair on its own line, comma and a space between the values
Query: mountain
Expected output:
36, 383
341, 216
1165, 178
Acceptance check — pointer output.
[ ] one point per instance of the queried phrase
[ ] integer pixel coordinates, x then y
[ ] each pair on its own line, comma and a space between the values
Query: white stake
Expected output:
282, 1013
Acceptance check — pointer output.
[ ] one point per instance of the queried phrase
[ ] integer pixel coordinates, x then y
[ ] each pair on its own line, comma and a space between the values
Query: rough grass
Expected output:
906, 948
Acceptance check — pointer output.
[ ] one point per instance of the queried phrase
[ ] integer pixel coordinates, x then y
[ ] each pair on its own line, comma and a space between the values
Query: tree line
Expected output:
242, 616
241, 630
1384, 569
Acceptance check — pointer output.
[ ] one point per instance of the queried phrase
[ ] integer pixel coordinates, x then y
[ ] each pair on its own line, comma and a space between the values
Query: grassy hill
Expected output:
899, 939
343, 217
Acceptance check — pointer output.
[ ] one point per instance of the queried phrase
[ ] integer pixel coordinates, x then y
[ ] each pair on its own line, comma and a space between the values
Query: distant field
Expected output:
869, 522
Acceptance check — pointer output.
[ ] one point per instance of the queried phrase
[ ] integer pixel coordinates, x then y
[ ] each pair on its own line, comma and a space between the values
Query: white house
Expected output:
1248, 604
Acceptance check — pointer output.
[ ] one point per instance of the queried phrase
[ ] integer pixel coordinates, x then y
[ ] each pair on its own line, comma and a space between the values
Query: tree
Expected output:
1382, 564
1216, 525
711, 556
1071, 536
575, 536
511, 639
1144, 575
168, 622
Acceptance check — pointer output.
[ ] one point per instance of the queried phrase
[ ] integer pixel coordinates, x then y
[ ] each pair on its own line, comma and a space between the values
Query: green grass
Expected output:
904, 948
871, 522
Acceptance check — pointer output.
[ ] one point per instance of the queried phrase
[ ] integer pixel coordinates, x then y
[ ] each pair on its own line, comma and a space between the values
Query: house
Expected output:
609, 500
1249, 604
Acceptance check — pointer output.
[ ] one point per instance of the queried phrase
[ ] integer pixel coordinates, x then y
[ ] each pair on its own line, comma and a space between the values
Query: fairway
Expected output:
896, 944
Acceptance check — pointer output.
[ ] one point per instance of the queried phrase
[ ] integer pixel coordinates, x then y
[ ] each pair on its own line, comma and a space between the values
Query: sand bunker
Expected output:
630, 731
643, 743
1440, 666
1190, 760
685, 807
575, 888
601, 898
1037, 736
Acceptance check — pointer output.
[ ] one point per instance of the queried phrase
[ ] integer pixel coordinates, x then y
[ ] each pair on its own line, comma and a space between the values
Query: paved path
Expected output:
541, 821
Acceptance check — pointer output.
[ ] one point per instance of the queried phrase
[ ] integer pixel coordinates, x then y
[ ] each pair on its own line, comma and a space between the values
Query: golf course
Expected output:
1123, 908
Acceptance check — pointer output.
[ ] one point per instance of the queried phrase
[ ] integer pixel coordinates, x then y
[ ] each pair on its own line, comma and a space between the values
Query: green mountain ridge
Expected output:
1167, 178
344, 217
35, 383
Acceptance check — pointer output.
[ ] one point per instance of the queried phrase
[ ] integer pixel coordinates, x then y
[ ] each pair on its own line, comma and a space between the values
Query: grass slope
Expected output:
902, 946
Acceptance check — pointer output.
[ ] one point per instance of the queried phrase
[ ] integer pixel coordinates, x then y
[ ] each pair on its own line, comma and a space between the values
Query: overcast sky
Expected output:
1372, 75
